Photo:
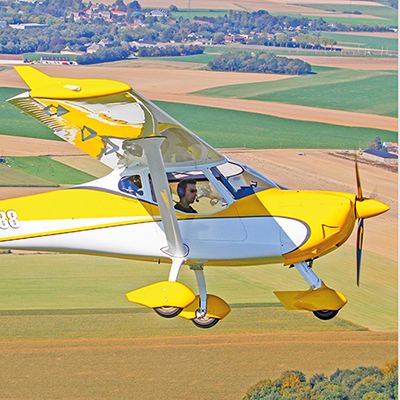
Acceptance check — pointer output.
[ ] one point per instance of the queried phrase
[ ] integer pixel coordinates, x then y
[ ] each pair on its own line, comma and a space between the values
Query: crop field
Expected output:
14, 123
364, 42
15, 178
74, 282
235, 128
324, 89
48, 170
227, 128
376, 11
67, 329
355, 20
37, 56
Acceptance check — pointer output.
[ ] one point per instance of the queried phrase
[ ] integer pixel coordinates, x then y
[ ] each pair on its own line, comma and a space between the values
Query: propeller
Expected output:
365, 208
360, 229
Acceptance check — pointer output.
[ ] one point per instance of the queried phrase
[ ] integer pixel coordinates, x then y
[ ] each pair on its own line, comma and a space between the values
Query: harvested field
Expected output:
274, 7
15, 146
211, 367
363, 63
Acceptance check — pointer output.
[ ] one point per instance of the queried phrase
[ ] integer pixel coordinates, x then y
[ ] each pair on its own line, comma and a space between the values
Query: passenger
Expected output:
187, 193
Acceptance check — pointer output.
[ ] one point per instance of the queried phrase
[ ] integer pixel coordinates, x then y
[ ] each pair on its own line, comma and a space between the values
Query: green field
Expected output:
363, 42
372, 92
14, 123
55, 287
376, 11
12, 177
227, 128
49, 170
37, 56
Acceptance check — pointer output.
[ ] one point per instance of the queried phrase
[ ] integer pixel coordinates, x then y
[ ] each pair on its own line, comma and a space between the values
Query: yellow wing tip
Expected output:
44, 86
32, 77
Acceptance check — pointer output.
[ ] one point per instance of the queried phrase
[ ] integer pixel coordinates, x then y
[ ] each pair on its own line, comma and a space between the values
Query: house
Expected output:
143, 43
93, 48
380, 156
12, 59
391, 147
158, 13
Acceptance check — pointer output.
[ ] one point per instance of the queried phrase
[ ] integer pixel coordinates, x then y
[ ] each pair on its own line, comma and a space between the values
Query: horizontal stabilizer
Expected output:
320, 299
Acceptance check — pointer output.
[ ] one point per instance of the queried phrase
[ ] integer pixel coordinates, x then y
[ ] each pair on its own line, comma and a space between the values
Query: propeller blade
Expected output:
359, 190
360, 237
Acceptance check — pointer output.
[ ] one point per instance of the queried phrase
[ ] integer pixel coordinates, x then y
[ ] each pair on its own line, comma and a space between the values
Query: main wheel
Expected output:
168, 312
325, 314
205, 322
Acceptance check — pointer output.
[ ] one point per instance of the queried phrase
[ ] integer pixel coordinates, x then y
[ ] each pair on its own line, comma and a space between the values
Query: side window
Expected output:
132, 185
201, 196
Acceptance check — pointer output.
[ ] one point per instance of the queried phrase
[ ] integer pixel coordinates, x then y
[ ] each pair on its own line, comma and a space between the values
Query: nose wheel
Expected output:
325, 314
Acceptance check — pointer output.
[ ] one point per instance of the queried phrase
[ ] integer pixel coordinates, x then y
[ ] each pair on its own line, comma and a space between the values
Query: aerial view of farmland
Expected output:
296, 90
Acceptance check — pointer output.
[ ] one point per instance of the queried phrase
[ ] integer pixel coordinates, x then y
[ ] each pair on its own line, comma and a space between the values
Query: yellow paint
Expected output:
321, 299
75, 204
44, 86
162, 294
368, 208
216, 308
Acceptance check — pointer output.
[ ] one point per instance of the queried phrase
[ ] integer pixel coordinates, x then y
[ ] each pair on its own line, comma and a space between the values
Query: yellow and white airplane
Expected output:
243, 218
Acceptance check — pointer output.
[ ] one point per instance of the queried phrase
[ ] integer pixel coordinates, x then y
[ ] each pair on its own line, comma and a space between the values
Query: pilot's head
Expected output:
187, 191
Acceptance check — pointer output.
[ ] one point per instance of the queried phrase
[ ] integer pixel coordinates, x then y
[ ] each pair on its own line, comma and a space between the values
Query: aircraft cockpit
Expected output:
217, 186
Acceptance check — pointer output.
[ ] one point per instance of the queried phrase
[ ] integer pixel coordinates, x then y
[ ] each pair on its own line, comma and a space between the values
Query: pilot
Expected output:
187, 193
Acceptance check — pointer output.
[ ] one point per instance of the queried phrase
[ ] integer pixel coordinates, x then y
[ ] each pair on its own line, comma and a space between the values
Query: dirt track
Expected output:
205, 367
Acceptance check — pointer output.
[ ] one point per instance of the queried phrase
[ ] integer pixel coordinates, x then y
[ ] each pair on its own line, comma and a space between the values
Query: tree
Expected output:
375, 144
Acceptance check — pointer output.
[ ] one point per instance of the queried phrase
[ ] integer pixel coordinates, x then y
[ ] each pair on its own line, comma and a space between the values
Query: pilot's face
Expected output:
191, 193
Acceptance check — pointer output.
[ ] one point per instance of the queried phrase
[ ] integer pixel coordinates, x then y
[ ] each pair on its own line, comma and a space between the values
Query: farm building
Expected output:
380, 156
391, 147
57, 61
12, 59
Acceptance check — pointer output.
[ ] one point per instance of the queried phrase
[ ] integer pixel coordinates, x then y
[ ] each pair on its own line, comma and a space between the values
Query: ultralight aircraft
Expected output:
243, 218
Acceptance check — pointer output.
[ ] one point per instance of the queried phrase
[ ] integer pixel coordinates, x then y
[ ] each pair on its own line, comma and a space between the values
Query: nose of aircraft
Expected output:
367, 208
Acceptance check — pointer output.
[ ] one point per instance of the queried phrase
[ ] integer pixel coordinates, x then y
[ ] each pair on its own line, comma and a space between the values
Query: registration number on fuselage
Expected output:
9, 219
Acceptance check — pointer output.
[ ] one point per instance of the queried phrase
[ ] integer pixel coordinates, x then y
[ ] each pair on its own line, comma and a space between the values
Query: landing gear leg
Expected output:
308, 274
312, 279
171, 312
202, 320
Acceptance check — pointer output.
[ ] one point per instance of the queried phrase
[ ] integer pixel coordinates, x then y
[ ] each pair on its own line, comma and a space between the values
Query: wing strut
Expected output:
176, 249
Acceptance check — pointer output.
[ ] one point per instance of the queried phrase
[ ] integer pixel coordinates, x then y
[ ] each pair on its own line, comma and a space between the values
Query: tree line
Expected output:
259, 62
362, 383
170, 51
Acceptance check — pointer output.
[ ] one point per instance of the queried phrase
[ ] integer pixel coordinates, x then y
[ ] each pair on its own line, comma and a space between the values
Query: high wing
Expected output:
104, 117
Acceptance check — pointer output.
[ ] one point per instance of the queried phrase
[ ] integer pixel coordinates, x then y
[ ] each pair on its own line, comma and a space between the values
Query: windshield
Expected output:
241, 180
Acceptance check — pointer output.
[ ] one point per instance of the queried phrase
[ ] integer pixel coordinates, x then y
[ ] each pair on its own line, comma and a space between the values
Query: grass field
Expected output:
14, 123
226, 128
37, 56
376, 11
235, 128
363, 42
334, 88
49, 170
12, 177
76, 287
